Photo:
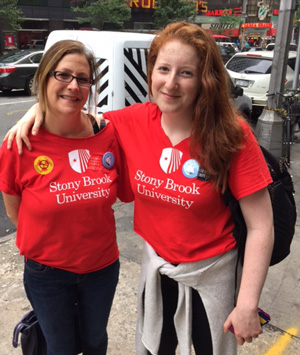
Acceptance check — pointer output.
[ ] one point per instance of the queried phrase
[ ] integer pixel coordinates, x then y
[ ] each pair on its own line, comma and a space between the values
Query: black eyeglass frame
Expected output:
54, 73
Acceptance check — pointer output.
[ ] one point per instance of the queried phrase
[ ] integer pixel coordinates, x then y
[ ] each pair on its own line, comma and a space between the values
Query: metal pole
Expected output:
269, 125
297, 67
244, 15
282, 42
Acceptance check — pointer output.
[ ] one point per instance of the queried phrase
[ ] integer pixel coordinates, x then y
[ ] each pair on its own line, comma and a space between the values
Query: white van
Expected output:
122, 57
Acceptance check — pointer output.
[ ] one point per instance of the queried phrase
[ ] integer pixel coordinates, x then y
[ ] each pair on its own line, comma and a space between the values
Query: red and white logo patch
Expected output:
79, 159
170, 160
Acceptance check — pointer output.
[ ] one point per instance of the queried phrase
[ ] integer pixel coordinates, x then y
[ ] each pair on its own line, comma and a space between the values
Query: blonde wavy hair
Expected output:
217, 132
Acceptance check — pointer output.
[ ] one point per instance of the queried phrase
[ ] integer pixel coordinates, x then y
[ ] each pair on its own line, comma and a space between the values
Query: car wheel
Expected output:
29, 86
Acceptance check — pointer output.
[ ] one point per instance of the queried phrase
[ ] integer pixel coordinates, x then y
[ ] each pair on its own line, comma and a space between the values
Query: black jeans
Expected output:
201, 336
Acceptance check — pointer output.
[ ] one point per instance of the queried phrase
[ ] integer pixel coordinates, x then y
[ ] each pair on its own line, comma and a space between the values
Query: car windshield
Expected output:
12, 57
250, 65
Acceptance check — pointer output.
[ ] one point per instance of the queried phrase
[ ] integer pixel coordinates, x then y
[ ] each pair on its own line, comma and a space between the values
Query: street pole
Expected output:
269, 128
244, 12
297, 67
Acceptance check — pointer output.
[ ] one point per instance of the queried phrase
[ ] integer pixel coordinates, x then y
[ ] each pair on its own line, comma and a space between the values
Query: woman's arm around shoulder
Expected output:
33, 118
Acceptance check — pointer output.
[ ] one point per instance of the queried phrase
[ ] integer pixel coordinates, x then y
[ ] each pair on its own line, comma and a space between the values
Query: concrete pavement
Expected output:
280, 297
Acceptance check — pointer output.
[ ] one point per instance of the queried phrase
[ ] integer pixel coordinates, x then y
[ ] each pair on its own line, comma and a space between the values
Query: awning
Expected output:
220, 36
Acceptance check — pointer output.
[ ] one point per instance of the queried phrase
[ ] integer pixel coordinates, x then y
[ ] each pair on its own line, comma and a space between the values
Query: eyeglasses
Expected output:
67, 78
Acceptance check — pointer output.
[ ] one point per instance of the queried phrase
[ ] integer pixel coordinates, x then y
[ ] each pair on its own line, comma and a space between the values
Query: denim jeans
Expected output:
53, 294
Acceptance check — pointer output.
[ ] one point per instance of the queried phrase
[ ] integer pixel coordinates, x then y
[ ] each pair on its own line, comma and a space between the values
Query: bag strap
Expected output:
25, 323
236, 213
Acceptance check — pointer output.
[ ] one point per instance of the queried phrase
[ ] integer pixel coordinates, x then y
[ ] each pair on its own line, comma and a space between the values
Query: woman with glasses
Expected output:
60, 197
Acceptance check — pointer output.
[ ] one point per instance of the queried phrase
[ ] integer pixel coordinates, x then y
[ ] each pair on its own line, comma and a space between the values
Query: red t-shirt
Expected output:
67, 188
181, 216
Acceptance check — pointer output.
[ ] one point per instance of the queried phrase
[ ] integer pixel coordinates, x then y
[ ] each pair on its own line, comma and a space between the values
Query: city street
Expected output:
280, 297
12, 107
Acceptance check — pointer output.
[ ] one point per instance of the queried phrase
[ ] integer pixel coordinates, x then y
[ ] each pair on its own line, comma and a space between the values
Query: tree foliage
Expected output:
173, 11
11, 14
98, 12
230, 20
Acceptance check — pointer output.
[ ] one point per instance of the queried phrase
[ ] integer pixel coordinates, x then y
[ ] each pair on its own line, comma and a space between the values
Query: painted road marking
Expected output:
16, 102
16, 111
282, 342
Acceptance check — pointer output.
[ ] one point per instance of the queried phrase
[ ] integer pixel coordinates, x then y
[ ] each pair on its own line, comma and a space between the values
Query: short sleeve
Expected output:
9, 161
248, 172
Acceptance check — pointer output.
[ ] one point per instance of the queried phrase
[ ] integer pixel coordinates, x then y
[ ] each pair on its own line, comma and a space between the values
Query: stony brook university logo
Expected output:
79, 160
170, 160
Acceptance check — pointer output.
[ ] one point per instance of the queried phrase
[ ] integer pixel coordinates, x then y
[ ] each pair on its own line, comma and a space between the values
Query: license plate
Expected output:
242, 83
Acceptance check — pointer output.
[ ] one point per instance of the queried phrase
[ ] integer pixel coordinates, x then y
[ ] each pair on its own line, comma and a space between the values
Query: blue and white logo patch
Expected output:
108, 160
190, 168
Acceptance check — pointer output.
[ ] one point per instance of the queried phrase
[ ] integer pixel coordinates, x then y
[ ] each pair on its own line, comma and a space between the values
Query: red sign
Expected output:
236, 11
9, 41
257, 25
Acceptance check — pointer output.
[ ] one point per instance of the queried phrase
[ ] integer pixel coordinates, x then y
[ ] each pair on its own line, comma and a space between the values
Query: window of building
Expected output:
33, 2
72, 3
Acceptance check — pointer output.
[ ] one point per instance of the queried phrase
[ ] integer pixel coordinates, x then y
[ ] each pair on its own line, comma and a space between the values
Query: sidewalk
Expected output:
280, 298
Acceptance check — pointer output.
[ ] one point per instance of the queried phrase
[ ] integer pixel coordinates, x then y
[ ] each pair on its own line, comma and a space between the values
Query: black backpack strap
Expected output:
240, 229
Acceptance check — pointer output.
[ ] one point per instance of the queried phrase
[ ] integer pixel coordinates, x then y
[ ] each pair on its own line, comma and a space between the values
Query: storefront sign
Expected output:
143, 4
9, 41
201, 6
257, 25
223, 26
263, 10
236, 11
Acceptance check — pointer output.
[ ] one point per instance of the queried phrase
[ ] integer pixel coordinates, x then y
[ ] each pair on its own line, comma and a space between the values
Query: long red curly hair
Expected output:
217, 132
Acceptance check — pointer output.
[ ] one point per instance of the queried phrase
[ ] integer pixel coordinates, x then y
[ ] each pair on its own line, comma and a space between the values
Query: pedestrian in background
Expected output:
182, 152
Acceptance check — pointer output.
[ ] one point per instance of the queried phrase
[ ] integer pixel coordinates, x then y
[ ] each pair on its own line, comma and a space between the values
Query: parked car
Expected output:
292, 47
17, 70
225, 53
229, 45
37, 44
252, 72
255, 49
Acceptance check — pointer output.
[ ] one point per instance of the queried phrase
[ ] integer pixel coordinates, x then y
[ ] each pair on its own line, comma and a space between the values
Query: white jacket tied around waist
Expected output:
213, 278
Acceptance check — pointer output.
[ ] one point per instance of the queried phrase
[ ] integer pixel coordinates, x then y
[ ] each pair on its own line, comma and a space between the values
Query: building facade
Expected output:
259, 18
